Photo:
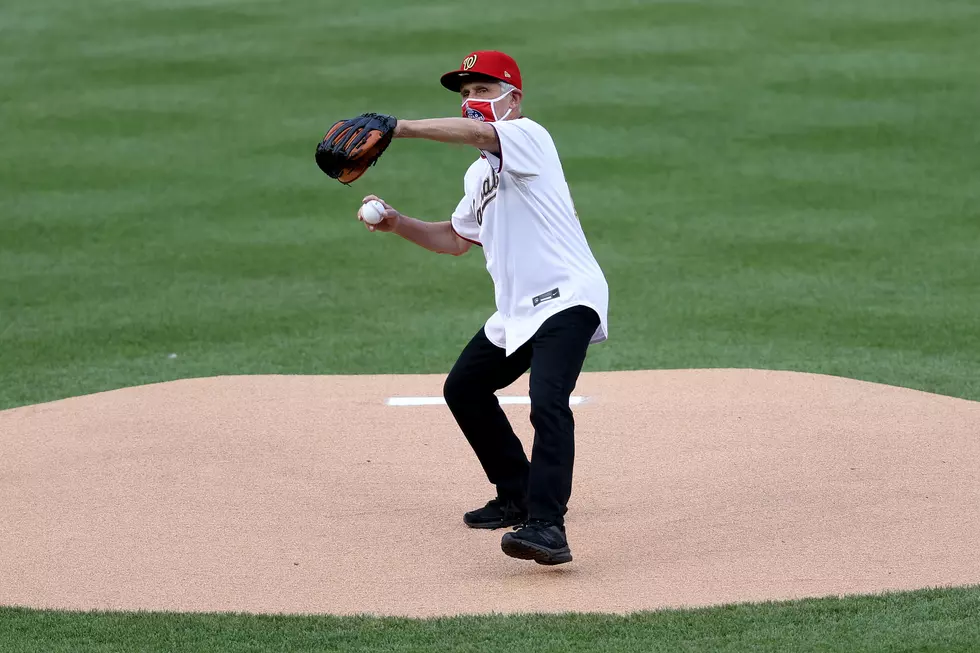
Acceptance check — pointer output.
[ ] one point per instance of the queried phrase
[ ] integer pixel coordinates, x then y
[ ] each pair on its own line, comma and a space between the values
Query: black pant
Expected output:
554, 355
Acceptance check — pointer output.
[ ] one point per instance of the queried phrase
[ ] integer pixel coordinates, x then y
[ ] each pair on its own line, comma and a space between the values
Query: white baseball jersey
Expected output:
518, 208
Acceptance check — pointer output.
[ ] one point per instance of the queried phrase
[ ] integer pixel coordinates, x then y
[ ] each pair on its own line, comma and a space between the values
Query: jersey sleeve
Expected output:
521, 150
464, 222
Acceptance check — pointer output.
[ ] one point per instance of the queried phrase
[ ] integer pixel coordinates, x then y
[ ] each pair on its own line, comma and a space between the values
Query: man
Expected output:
551, 300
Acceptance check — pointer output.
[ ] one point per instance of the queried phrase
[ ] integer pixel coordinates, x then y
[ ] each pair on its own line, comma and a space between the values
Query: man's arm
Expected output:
437, 237
463, 131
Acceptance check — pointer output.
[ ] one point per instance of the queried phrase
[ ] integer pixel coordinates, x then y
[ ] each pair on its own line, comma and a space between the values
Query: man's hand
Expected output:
353, 145
390, 218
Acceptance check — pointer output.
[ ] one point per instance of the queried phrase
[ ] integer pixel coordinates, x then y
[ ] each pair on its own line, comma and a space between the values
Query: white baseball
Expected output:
372, 212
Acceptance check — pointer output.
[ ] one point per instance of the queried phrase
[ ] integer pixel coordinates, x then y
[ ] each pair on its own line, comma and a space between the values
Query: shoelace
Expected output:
531, 523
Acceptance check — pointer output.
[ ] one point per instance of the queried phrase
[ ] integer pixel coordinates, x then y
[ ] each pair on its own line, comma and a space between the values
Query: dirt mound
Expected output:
304, 494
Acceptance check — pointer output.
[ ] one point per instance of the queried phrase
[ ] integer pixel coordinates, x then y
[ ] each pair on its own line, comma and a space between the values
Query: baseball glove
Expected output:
353, 145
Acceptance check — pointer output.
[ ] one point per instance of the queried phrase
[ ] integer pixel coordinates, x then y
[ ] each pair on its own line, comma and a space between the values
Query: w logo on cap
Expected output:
489, 63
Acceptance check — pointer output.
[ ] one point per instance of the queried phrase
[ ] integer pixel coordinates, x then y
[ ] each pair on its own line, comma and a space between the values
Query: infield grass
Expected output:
777, 184
922, 621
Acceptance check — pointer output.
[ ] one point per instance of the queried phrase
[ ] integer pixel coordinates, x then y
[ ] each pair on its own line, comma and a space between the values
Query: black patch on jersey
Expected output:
543, 297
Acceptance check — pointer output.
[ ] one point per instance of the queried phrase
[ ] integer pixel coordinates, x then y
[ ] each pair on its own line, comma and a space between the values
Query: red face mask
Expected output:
484, 110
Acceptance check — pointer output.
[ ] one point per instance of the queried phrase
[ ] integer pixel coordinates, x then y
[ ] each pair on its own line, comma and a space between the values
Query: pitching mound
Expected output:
317, 495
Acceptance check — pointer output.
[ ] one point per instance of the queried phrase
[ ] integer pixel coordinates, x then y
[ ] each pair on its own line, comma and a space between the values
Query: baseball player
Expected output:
551, 300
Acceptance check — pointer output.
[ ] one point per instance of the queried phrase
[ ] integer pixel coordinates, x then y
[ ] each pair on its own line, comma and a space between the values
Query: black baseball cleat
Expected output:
541, 541
498, 513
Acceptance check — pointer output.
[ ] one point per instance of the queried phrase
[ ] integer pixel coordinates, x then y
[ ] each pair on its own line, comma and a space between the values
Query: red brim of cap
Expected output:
453, 80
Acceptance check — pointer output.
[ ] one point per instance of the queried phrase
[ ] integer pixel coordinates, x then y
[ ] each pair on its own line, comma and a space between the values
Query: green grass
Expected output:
776, 184
787, 185
927, 620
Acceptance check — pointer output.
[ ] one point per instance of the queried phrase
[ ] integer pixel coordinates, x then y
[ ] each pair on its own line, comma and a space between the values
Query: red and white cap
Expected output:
490, 63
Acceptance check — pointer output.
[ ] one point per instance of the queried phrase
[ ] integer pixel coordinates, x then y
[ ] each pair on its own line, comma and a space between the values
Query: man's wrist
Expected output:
397, 223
